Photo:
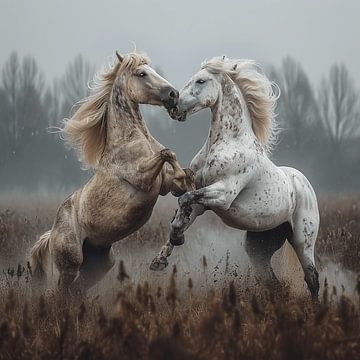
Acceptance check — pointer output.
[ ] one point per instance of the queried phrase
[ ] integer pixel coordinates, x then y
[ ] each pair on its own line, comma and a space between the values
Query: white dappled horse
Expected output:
235, 177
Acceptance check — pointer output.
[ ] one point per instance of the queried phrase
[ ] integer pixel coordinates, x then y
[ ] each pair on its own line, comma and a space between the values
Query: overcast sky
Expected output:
178, 35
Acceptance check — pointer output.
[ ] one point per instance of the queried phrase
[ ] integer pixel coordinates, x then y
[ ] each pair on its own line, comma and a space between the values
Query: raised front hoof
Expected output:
159, 264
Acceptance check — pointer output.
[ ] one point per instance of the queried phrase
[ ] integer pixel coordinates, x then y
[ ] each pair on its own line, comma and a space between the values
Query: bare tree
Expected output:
74, 84
23, 86
10, 80
31, 90
338, 105
296, 107
52, 103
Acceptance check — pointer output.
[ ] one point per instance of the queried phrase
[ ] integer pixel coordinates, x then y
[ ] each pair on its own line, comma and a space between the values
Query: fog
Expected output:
302, 45
179, 35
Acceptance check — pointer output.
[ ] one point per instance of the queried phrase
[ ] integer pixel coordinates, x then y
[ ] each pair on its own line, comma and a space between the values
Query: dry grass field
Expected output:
206, 305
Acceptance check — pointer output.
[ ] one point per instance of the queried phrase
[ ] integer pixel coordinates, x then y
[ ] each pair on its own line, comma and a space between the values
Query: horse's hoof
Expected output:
159, 264
177, 240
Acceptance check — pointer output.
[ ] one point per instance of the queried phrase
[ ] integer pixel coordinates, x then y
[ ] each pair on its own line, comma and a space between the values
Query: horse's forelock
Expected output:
132, 60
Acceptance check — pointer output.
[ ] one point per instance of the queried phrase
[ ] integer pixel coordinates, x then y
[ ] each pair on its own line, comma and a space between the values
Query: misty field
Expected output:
205, 305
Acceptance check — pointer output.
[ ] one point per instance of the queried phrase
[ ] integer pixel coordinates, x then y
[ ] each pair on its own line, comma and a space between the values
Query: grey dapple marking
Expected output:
131, 170
234, 176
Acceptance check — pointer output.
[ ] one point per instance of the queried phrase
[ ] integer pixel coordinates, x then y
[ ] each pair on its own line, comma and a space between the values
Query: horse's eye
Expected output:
142, 74
200, 81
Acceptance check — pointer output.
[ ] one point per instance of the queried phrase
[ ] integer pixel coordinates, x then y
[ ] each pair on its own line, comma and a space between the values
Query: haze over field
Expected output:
209, 302
179, 35
309, 48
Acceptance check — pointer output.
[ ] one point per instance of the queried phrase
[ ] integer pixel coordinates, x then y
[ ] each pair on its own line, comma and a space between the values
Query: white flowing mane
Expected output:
258, 92
86, 130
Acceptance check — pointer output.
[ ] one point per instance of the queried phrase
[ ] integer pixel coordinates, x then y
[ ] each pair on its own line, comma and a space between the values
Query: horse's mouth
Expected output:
181, 116
170, 104
176, 114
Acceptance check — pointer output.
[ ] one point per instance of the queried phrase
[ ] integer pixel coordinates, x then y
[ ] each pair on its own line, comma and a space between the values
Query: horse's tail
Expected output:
39, 253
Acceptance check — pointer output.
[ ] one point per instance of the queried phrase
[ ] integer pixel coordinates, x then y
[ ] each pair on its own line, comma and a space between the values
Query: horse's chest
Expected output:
219, 163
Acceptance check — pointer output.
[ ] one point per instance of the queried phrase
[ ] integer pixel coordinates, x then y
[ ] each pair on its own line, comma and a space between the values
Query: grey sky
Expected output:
179, 35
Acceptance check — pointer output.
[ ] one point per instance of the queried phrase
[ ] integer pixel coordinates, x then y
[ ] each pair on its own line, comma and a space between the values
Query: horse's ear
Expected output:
119, 57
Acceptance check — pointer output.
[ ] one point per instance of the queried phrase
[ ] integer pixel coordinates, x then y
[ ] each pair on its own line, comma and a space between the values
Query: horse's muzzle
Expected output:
181, 116
177, 115
170, 98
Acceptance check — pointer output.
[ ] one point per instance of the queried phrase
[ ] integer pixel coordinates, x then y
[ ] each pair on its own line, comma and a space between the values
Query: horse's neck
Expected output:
230, 117
124, 122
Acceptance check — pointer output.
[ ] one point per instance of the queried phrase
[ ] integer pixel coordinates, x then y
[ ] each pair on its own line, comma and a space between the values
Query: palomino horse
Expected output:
110, 135
234, 176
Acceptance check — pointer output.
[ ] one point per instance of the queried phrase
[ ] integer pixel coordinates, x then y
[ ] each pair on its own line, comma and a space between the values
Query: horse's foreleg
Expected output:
160, 260
181, 222
177, 187
183, 219
218, 195
149, 168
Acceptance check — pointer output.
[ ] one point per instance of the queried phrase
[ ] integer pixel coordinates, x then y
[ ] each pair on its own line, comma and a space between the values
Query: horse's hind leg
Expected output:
305, 225
67, 255
98, 260
261, 246
305, 231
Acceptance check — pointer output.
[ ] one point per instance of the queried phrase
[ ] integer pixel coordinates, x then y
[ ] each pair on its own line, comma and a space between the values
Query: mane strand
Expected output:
86, 130
259, 92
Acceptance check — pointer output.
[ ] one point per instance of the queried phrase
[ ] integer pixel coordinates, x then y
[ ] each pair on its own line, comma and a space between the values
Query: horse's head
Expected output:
202, 91
143, 84
222, 77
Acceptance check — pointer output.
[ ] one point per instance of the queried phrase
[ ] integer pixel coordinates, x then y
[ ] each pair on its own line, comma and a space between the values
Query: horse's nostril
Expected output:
172, 94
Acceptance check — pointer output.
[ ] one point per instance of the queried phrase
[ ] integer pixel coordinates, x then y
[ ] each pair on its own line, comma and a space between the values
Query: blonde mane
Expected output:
258, 91
85, 131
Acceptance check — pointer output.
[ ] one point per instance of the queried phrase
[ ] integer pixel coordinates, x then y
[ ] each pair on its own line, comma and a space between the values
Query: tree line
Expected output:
30, 155
320, 125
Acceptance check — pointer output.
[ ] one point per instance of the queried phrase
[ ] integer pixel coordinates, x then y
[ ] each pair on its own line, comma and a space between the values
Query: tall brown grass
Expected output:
158, 317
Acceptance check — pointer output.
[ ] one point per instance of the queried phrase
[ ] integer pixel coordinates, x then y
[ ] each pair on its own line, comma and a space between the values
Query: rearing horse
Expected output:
110, 135
234, 176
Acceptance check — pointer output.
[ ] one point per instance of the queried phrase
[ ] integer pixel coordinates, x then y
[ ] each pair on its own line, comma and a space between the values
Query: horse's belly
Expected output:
105, 230
256, 214
107, 218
